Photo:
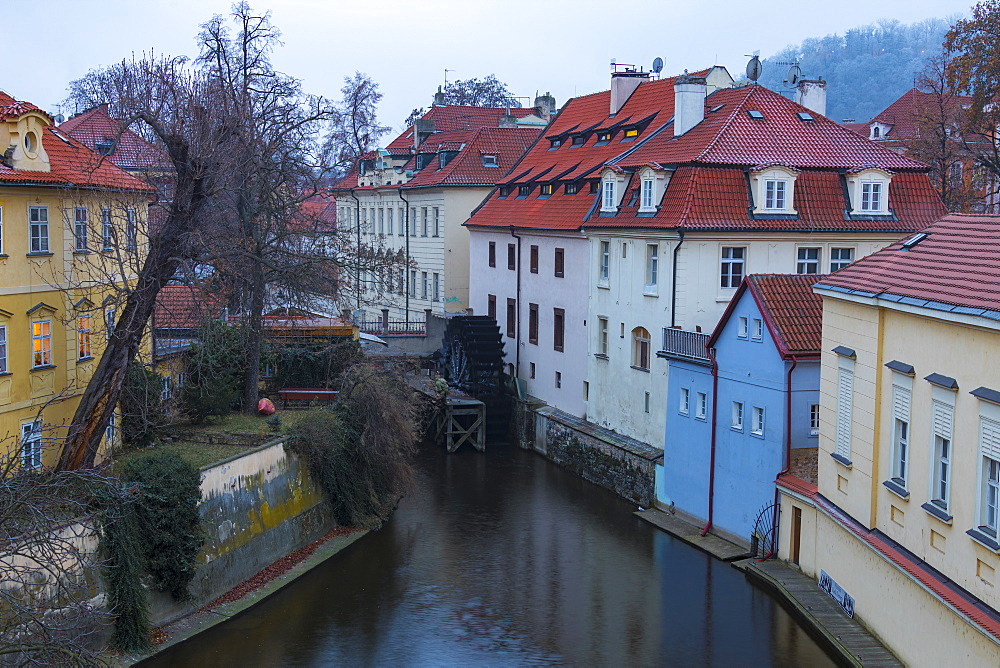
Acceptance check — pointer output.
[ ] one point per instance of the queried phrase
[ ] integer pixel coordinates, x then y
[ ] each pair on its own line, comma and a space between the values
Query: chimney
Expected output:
508, 120
439, 98
811, 94
689, 102
422, 129
545, 105
623, 84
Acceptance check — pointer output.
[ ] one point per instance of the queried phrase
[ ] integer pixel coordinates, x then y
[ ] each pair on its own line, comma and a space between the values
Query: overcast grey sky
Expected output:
562, 46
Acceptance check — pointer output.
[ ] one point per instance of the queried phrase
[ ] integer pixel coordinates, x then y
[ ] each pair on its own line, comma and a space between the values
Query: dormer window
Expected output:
504, 191
555, 143
603, 137
869, 192
490, 161
652, 184
579, 140
594, 187
647, 193
523, 191
609, 199
570, 188
630, 134
773, 190
876, 132
774, 194
871, 196
546, 189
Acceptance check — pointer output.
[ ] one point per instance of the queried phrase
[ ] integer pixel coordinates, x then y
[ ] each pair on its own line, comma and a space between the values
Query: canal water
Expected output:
504, 559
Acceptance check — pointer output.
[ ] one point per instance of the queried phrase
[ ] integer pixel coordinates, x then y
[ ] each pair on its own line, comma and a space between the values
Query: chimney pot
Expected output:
689, 102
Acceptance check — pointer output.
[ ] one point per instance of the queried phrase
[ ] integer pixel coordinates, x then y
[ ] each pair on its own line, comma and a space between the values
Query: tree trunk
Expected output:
253, 333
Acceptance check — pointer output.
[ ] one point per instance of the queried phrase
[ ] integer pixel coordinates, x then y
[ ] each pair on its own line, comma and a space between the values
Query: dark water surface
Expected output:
505, 559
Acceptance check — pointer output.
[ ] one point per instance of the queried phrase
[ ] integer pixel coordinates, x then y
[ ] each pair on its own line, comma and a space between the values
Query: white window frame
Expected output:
814, 420
775, 194
131, 230
609, 202
652, 268
685, 401
987, 519
757, 420
757, 333
423, 285
80, 229
743, 327
646, 198
845, 408
436, 278
701, 405
109, 323
837, 261
871, 197
1, 231
109, 431
808, 259
942, 448
84, 343
736, 421
401, 230
381, 221
3, 349
38, 229
732, 268
901, 431
437, 221
31, 445
602, 336
107, 232
388, 220
165, 388
604, 275
43, 356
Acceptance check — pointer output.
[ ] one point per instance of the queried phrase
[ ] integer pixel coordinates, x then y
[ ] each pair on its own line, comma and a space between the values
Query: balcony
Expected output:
680, 344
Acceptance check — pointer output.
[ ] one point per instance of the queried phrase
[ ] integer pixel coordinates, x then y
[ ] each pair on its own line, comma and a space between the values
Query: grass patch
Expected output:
198, 455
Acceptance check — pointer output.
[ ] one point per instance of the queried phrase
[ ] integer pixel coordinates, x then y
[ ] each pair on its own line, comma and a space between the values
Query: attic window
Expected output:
876, 131
914, 240
490, 161
804, 116
570, 188
579, 140
555, 143
631, 133
61, 136
546, 189
756, 115
523, 191
604, 136
504, 191
594, 186
716, 108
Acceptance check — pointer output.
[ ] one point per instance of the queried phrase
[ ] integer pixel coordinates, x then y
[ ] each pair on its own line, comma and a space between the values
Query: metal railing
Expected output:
685, 344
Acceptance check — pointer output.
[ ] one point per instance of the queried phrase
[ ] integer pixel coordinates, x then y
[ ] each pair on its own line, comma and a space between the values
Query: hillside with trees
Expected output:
866, 68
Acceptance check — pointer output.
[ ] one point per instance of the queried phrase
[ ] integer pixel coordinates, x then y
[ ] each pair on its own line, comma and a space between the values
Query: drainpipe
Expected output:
788, 449
517, 308
711, 465
673, 283
406, 274
357, 265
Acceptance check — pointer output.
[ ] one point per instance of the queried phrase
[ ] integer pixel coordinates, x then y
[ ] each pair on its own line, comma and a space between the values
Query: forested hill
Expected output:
866, 68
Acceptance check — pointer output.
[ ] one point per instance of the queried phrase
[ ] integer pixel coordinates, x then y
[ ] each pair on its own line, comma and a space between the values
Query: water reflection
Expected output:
505, 559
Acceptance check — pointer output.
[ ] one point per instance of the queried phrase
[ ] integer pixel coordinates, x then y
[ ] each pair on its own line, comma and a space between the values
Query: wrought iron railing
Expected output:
685, 344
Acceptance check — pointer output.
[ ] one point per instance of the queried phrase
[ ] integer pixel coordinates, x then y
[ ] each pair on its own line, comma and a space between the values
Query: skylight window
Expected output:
914, 240
756, 115
490, 161
716, 108
805, 116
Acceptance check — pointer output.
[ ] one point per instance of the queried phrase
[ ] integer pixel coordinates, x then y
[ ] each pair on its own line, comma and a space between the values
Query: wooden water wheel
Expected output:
473, 355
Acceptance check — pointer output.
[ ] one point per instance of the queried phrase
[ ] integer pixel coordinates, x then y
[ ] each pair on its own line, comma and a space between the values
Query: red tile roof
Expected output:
318, 214
956, 265
904, 113
708, 190
467, 168
132, 152
11, 108
185, 307
793, 312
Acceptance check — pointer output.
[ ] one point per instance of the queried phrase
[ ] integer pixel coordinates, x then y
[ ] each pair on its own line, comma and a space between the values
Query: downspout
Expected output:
788, 450
517, 309
406, 274
711, 465
357, 265
673, 284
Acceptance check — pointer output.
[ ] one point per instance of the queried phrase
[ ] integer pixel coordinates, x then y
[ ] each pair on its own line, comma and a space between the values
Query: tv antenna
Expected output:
794, 74
446, 76
754, 67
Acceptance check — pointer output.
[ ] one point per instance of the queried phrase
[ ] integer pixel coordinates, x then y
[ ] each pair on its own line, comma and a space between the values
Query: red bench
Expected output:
306, 395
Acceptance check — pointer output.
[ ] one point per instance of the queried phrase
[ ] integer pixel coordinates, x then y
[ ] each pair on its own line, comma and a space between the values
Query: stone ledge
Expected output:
626, 443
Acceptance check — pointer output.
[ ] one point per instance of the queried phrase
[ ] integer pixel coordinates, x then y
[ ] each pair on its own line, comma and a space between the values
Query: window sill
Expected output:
43, 367
736, 429
937, 512
40, 254
843, 461
640, 368
6, 373
82, 252
650, 292
4, 256
601, 356
896, 489
88, 358
984, 539
604, 286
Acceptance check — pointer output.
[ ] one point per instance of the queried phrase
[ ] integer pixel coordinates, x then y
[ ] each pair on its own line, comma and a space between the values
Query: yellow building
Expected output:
72, 231
904, 525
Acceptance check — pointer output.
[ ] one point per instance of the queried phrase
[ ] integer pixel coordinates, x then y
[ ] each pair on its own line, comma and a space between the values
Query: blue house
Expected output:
743, 405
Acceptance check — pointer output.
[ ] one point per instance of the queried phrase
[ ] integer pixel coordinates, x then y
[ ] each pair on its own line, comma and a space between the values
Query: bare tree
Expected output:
356, 129
487, 92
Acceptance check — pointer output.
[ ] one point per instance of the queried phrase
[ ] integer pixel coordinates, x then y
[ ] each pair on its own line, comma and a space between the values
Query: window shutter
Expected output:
845, 396
989, 438
901, 403
943, 419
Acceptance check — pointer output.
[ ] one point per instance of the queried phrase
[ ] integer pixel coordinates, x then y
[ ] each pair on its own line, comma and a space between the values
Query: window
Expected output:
732, 266
436, 280
423, 216
942, 419
595, 186
381, 221
490, 161
604, 136
900, 434
685, 401
493, 253
38, 217
80, 228
640, 348
814, 420
533, 260
645, 402
388, 221
511, 317
109, 432
531, 370
1, 230
737, 418
546, 189
579, 140
109, 322
41, 343
130, 229
652, 267
570, 188
840, 258
491, 306
558, 380
631, 133
165, 387
31, 445
83, 336
555, 143
742, 327
647, 194
560, 263
523, 191
609, 196
504, 191
437, 222
602, 336
871, 196
845, 404
423, 285
533, 323
605, 261
511, 257
701, 405
413, 221
757, 333
3, 349
107, 231
774, 194
808, 261
757, 421
558, 328
413, 283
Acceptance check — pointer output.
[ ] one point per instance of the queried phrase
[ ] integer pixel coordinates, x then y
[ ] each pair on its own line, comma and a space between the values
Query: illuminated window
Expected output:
41, 343
83, 336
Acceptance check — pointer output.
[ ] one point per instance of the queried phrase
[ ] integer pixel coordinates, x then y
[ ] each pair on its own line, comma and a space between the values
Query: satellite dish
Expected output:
754, 69
793, 76
658, 65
